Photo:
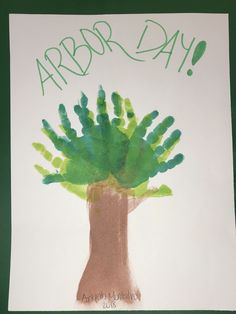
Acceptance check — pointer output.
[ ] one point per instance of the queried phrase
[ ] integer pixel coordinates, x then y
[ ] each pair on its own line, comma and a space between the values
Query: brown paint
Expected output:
107, 272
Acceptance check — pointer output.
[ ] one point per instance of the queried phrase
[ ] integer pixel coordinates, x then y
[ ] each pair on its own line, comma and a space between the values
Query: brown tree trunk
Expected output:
107, 274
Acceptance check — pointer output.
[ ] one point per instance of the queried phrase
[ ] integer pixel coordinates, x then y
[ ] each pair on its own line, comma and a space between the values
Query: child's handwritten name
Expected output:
109, 300
65, 59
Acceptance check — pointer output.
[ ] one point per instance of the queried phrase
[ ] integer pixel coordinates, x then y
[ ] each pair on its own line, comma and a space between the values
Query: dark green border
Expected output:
83, 7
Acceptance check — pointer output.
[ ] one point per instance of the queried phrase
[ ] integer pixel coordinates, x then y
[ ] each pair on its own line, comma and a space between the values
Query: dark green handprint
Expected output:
107, 148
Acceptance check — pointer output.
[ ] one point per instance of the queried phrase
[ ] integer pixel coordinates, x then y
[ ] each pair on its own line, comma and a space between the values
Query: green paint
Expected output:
140, 189
66, 125
142, 35
155, 136
190, 72
143, 191
85, 116
106, 38
188, 49
131, 117
72, 52
44, 172
56, 67
43, 79
57, 162
116, 148
158, 27
41, 148
162, 191
166, 153
78, 190
171, 42
155, 42
163, 152
117, 101
197, 54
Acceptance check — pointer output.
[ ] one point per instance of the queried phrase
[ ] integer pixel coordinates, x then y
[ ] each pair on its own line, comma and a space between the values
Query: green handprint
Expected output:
108, 148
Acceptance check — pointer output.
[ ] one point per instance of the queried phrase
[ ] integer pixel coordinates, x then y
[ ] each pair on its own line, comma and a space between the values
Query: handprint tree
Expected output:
110, 165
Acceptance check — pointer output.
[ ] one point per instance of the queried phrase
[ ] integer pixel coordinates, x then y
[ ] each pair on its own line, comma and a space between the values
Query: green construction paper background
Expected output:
83, 7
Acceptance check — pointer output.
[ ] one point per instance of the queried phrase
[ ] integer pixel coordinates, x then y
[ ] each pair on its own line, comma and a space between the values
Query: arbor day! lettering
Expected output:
65, 59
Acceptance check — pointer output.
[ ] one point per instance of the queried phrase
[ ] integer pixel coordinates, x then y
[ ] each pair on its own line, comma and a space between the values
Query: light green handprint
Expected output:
108, 148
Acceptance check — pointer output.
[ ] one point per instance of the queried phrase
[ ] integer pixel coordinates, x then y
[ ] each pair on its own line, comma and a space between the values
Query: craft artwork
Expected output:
109, 165
123, 197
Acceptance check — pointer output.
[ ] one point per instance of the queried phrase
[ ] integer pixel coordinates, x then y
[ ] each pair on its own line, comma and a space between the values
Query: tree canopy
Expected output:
115, 148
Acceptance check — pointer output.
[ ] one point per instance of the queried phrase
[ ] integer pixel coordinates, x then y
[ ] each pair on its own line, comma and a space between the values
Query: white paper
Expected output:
182, 248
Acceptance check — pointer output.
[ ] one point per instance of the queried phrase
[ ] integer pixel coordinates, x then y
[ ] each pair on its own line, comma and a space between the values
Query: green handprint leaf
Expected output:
162, 191
110, 147
131, 117
155, 136
163, 152
57, 162
66, 125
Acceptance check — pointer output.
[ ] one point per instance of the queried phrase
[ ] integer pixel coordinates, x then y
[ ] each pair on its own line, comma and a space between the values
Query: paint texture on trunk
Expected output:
110, 165
107, 274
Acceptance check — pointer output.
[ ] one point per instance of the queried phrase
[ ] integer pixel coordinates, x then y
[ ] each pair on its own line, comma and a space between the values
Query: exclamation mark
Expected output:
198, 53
